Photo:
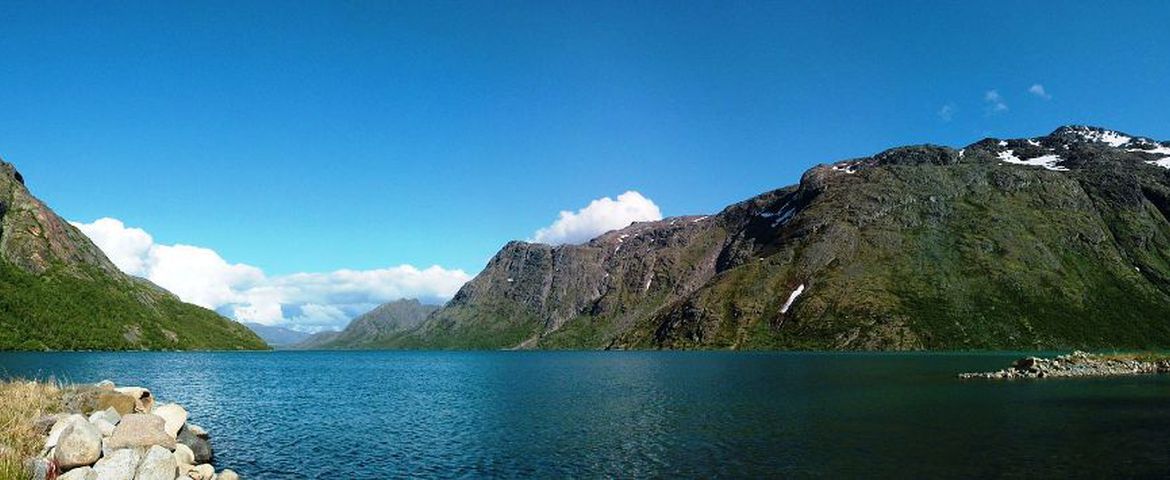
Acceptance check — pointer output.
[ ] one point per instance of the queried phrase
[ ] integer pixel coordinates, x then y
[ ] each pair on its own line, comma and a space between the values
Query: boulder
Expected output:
121, 403
118, 465
104, 385
202, 472
80, 444
198, 431
44, 424
59, 428
83, 473
110, 415
184, 455
174, 415
159, 464
197, 442
144, 402
140, 430
38, 468
106, 428
228, 474
80, 399
1028, 363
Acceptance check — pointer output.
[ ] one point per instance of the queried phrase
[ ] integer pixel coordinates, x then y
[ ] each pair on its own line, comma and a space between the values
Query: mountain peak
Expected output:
1092, 134
56, 284
9, 170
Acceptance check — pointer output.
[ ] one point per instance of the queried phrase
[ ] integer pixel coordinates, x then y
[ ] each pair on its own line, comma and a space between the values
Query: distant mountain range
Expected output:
277, 336
1052, 242
58, 291
379, 328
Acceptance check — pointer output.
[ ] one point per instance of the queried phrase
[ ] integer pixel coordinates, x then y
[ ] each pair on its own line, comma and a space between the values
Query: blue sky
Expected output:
318, 136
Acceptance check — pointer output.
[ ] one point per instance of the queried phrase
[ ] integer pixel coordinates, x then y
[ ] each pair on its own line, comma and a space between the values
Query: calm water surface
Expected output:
358, 415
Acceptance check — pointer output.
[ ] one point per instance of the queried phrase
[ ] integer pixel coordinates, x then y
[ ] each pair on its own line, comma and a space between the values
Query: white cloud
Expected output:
947, 112
1038, 90
600, 216
304, 301
995, 102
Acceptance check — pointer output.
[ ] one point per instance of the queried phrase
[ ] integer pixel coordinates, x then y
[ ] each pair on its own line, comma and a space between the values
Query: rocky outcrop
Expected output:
1078, 364
1003, 244
155, 444
62, 293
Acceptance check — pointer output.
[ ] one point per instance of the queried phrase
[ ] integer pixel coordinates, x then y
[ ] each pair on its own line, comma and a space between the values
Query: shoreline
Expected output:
91, 431
1080, 364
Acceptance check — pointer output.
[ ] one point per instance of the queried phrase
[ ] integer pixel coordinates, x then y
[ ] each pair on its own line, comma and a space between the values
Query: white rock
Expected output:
197, 431
184, 455
140, 430
80, 444
228, 475
83, 473
59, 427
202, 472
109, 415
118, 465
159, 464
106, 428
174, 416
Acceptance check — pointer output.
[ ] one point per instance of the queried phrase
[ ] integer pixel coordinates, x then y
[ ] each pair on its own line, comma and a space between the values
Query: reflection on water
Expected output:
640, 414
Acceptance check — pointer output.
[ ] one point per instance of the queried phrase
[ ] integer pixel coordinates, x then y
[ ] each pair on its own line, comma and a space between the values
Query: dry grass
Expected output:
20, 404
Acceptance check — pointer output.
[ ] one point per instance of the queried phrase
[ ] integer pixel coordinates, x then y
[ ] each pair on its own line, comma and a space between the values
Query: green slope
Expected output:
59, 292
914, 248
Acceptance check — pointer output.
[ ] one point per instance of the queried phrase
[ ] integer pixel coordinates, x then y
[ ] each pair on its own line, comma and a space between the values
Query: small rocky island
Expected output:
126, 436
1081, 364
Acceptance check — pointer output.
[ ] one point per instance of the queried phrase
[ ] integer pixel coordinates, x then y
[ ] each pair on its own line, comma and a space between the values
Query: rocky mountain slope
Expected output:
382, 326
59, 291
1051, 242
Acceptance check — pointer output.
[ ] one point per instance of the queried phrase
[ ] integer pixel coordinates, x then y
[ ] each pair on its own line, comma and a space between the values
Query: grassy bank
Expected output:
20, 404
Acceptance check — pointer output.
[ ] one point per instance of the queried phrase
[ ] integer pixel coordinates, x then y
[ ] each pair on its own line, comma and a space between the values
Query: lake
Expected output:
359, 415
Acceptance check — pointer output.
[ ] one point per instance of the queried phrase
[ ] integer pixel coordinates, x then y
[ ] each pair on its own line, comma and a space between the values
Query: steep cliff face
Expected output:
59, 291
1056, 241
33, 238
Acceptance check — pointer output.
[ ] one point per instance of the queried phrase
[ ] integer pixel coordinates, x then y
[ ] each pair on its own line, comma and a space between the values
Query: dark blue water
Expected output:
356, 415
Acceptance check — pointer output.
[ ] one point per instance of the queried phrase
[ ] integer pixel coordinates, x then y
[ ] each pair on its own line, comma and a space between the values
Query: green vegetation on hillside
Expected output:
63, 311
915, 248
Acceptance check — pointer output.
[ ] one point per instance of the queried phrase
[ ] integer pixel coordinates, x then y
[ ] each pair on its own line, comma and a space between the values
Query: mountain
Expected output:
316, 341
59, 291
277, 336
377, 328
1058, 241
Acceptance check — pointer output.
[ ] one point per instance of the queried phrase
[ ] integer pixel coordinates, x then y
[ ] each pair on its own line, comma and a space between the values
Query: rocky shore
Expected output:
121, 433
1080, 364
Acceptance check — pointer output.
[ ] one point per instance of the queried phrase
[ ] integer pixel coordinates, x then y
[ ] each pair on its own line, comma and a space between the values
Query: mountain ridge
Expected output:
1018, 243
